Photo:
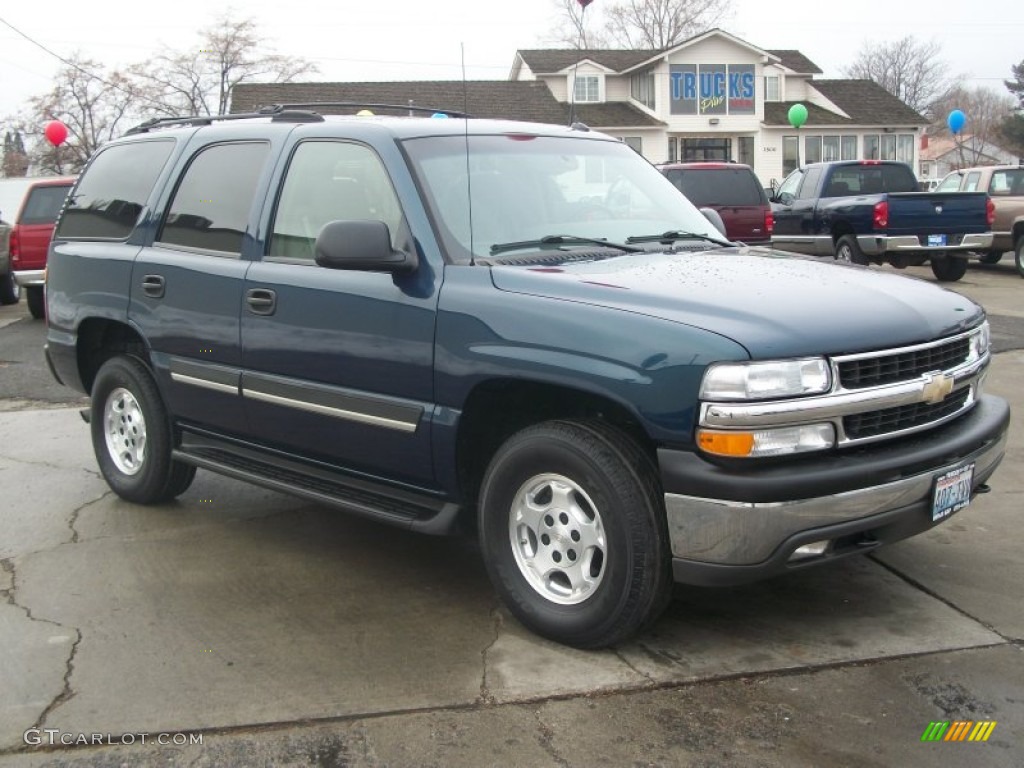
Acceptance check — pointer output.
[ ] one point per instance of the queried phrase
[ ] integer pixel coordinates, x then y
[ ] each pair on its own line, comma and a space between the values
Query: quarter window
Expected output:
211, 207
331, 181
114, 190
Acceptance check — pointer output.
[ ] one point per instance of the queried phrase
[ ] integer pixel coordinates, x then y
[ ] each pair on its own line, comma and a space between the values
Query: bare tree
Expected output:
635, 24
1011, 131
15, 161
199, 82
574, 27
985, 109
657, 24
908, 69
96, 106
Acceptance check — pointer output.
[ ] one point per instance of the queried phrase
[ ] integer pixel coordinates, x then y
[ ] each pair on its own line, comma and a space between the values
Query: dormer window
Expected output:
771, 88
588, 89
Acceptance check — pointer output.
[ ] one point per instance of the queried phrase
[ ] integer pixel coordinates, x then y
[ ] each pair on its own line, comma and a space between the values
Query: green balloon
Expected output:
797, 115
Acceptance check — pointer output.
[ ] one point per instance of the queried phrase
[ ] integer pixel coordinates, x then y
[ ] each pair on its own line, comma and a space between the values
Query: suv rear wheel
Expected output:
573, 533
131, 434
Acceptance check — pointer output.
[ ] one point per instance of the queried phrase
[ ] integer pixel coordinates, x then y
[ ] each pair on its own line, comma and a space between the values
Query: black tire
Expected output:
610, 496
948, 269
848, 251
991, 257
136, 460
36, 300
1018, 255
10, 291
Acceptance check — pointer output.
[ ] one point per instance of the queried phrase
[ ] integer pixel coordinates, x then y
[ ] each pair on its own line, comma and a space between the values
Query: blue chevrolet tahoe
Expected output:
516, 329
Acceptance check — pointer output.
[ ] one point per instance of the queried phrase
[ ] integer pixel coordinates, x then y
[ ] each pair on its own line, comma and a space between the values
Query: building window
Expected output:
587, 89
673, 150
790, 150
848, 148
635, 143
641, 88
771, 88
812, 149
829, 148
905, 148
745, 148
888, 146
871, 147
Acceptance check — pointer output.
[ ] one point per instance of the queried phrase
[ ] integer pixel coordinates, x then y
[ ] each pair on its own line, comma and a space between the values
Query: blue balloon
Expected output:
439, 114
956, 121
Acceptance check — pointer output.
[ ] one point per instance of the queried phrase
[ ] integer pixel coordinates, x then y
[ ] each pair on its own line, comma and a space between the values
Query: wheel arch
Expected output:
99, 339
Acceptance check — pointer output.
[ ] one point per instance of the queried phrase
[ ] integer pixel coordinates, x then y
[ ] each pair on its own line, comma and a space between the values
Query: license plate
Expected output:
952, 492
936, 239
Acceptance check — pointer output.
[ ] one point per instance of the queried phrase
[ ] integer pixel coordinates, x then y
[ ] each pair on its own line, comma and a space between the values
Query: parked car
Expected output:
733, 190
424, 322
865, 211
1005, 186
31, 234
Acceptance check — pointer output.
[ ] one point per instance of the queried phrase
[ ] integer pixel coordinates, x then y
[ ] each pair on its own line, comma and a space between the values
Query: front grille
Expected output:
903, 366
902, 417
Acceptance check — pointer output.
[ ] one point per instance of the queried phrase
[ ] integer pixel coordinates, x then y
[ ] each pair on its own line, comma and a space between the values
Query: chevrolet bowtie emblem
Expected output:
936, 387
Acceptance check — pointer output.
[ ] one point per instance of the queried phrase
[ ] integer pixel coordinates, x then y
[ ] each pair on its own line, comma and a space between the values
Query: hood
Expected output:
772, 303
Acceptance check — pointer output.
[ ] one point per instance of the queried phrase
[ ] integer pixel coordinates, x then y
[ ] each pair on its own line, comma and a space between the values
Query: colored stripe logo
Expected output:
959, 730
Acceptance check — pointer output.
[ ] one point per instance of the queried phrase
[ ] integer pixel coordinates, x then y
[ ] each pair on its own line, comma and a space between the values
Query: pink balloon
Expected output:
55, 132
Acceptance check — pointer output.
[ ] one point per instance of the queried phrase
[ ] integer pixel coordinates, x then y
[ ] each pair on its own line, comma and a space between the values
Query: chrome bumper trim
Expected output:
30, 277
875, 245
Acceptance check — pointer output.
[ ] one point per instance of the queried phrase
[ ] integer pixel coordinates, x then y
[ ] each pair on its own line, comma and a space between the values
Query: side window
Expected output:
791, 184
210, 208
810, 185
972, 181
330, 181
950, 184
113, 191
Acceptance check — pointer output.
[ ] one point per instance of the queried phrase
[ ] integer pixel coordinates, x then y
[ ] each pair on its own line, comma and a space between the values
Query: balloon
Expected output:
956, 121
439, 115
797, 115
55, 132
365, 113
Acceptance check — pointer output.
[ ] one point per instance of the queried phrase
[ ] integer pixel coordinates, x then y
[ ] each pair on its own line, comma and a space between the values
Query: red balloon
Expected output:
55, 132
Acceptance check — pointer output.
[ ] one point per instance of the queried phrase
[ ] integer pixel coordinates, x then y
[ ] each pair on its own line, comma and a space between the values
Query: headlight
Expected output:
981, 340
759, 443
766, 380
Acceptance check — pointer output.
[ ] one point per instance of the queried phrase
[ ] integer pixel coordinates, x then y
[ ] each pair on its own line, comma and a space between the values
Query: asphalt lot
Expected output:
283, 633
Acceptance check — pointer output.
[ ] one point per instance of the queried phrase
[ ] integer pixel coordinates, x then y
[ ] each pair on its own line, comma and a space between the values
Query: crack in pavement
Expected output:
629, 664
546, 740
486, 697
73, 520
66, 693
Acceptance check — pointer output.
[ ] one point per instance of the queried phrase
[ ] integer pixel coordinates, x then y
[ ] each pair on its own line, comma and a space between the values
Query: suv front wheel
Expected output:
573, 532
131, 434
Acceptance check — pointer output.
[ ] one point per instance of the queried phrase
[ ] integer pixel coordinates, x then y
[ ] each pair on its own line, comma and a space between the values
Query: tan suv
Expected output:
1005, 187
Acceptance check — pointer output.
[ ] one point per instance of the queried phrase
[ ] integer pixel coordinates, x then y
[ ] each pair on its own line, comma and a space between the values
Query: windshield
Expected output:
520, 188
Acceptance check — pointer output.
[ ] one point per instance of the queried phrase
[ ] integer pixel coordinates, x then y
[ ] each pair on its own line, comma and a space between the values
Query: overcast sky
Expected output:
407, 40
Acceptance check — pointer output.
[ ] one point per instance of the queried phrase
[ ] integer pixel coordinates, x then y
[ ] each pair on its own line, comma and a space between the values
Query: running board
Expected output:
405, 509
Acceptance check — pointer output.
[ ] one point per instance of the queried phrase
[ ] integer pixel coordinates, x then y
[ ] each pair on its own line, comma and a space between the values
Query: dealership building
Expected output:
712, 97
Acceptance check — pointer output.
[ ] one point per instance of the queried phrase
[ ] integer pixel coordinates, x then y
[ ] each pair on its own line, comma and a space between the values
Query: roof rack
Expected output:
409, 107
286, 113
275, 113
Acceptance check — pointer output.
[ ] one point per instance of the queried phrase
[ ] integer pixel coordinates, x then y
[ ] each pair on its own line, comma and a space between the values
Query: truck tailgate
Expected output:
949, 213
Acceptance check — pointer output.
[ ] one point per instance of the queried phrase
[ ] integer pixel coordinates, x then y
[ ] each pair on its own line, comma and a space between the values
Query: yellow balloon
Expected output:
364, 113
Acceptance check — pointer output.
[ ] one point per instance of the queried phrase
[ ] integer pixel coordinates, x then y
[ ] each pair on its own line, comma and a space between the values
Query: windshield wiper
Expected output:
561, 240
675, 234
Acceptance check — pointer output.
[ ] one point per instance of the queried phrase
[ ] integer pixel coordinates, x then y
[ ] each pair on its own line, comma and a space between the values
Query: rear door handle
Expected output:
261, 301
153, 285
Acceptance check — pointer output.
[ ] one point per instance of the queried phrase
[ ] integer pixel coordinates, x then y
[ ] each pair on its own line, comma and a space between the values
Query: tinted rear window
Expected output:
870, 180
114, 190
43, 205
718, 186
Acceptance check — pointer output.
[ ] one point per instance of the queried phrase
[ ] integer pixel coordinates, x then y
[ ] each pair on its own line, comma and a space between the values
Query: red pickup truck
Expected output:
31, 235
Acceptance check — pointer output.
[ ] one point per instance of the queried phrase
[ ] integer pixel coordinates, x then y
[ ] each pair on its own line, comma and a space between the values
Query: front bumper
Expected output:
877, 245
27, 278
729, 526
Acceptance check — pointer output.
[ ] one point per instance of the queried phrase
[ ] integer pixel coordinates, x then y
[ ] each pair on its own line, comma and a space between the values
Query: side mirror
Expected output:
360, 245
716, 220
